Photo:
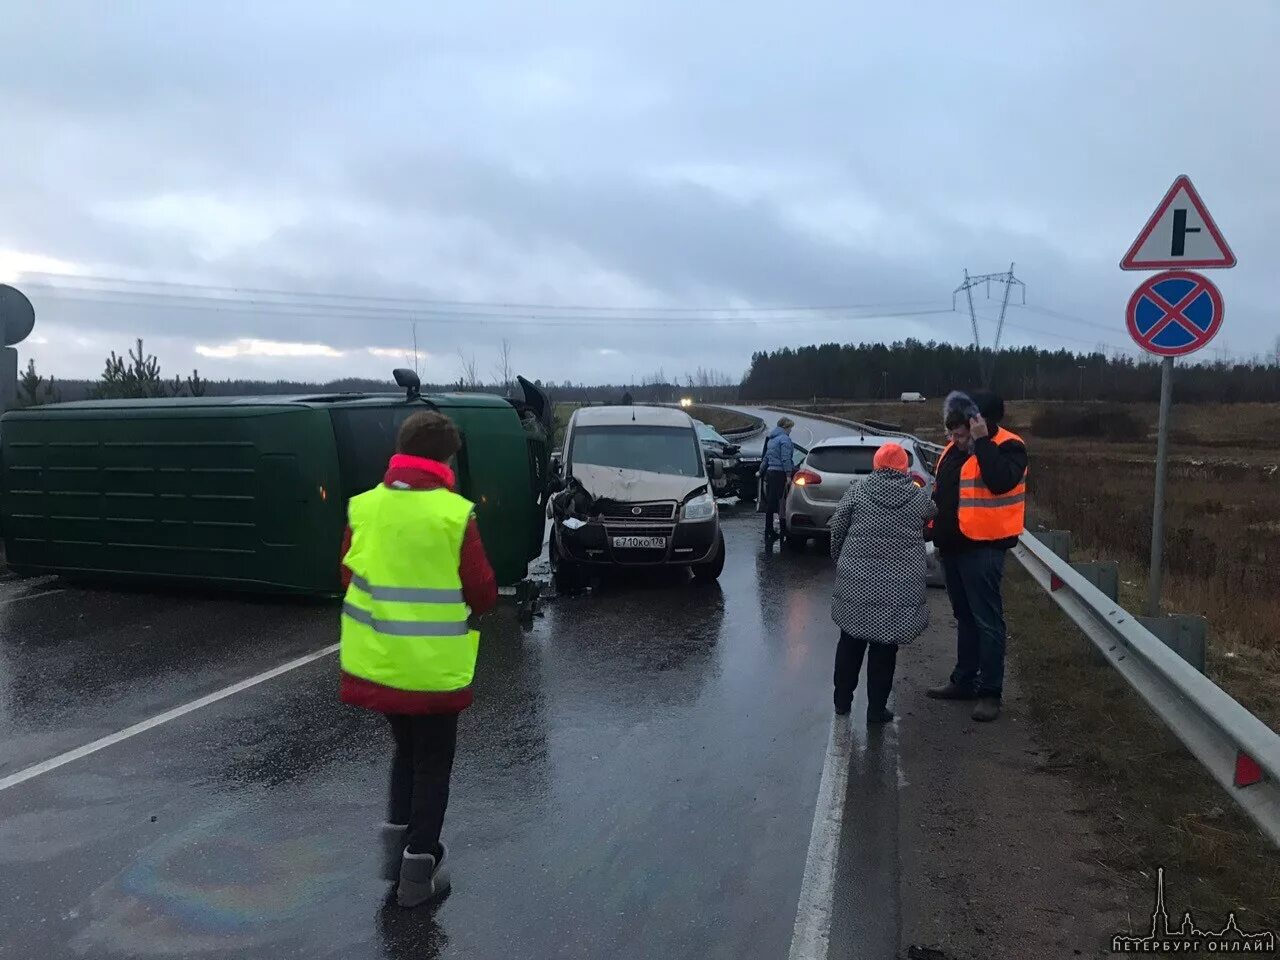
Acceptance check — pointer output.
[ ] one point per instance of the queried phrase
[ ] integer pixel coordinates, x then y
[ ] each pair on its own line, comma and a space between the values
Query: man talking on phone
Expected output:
981, 496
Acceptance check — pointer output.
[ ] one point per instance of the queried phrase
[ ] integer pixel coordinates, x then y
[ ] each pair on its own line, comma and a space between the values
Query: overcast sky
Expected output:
654, 154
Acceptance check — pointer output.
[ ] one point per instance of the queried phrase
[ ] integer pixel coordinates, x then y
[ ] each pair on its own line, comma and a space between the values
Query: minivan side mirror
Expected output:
556, 464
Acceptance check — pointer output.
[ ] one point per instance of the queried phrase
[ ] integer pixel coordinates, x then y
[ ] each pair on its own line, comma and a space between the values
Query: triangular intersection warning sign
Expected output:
1179, 234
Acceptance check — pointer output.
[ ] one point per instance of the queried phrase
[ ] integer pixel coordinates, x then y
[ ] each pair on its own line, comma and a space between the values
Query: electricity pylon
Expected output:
987, 370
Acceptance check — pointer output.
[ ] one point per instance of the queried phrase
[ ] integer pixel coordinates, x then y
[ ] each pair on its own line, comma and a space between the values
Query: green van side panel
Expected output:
174, 491
244, 492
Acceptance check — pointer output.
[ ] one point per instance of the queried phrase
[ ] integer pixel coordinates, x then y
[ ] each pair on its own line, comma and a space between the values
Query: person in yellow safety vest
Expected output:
417, 580
981, 491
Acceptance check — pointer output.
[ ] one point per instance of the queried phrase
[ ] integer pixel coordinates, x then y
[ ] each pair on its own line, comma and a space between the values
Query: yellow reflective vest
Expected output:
404, 621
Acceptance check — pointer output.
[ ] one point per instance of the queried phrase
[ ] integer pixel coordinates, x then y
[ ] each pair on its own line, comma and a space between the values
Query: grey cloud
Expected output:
501, 152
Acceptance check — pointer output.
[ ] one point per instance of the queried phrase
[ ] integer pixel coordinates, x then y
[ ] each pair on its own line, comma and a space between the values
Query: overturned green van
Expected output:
248, 492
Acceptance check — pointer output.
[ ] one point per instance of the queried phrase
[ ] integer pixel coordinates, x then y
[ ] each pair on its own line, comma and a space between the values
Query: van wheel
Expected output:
565, 574
711, 569
797, 542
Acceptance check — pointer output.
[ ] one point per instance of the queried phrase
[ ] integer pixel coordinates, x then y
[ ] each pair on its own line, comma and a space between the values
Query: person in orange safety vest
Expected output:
981, 491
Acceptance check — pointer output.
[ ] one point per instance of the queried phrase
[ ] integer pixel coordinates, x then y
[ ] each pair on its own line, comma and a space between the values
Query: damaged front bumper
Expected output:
599, 542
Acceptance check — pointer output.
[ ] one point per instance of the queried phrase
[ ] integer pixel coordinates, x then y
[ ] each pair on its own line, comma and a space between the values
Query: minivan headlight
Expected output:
702, 507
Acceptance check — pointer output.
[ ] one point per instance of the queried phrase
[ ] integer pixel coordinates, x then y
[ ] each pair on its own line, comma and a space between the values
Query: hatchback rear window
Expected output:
845, 459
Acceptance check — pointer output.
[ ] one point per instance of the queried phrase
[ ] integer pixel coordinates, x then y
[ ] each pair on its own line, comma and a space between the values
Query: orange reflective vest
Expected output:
985, 515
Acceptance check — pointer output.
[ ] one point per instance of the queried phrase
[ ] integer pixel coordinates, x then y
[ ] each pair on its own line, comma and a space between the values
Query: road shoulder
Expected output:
997, 858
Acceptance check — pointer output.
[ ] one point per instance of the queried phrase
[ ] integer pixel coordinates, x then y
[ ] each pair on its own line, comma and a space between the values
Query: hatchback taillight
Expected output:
806, 478
918, 480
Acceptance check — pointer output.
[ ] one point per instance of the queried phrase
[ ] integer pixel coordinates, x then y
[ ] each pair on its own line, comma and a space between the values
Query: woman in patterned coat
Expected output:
879, 601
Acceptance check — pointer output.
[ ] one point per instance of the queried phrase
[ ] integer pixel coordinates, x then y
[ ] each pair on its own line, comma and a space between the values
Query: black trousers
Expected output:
882, 658
420, 775
775, 490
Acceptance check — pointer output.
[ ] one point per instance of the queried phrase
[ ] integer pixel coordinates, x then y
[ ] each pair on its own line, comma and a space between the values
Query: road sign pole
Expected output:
1156, 581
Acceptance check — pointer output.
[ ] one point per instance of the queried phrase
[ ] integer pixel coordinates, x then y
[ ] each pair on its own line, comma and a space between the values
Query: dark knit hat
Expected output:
958, 409
990, 405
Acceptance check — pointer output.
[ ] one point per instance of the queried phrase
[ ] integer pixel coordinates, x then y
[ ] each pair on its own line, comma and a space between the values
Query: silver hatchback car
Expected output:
824, 476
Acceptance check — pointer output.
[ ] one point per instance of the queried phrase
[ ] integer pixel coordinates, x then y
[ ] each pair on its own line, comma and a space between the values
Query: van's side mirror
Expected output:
409, 381
716, 468
556, 465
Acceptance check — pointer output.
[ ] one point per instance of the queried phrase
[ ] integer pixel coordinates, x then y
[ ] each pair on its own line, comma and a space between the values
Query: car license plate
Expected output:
639, 543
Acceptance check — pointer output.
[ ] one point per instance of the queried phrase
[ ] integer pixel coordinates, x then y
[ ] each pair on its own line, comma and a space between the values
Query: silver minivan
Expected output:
633, 490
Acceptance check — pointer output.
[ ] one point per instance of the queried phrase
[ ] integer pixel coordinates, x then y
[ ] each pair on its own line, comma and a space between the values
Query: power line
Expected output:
315, 311
1115, 328
236, 292
305, 305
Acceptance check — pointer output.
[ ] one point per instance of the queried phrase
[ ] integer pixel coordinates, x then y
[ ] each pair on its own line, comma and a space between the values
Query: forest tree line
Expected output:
886, 371
830, 371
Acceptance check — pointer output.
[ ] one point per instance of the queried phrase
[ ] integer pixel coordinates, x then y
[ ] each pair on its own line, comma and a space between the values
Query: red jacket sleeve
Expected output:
346, 545
479, 585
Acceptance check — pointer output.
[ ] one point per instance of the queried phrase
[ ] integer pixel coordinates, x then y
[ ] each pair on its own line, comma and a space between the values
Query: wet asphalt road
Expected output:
637, 779
807, 432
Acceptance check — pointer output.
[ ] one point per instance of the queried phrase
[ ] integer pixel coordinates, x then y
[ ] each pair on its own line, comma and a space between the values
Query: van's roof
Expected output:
648, 416
272, 400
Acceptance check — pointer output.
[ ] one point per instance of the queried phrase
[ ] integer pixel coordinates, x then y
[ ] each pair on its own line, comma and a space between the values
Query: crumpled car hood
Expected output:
632, 486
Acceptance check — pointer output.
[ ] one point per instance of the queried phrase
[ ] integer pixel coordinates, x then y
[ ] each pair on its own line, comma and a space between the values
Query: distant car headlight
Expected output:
702, 507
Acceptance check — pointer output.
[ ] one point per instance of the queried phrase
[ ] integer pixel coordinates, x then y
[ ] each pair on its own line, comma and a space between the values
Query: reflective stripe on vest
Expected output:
404, 620
984, 515
407, 594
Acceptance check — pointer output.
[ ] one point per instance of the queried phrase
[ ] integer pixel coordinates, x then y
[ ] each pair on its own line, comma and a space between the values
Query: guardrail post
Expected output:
1059, 541
1183, 633
1105, 575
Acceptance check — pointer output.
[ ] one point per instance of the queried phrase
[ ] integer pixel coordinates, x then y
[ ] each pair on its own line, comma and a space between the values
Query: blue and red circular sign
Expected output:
1174, 313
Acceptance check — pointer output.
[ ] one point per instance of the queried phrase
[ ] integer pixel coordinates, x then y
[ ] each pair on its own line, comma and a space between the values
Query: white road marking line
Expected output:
811, 937
22, 776
32, 596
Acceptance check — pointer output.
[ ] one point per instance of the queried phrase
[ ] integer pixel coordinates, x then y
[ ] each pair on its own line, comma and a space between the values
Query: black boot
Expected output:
849, 653
951, 691
882, 659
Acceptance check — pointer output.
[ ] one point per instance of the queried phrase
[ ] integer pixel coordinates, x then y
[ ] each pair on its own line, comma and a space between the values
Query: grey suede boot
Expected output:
392, 837
422, 878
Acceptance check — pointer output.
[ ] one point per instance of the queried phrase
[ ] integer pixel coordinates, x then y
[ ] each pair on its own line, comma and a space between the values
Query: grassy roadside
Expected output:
722, 420
1152, 802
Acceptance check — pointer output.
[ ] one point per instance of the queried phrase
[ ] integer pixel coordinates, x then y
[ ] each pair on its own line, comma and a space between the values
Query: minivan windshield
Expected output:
634, 446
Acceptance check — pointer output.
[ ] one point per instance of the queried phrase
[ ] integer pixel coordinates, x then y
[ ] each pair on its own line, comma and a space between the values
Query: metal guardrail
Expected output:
933, 449
1240, 751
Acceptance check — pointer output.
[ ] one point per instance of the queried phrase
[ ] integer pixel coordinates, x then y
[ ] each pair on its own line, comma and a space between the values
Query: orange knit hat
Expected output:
891, 456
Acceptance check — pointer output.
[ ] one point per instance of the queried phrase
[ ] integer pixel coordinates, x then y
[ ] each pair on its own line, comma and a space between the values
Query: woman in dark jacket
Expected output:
879, 601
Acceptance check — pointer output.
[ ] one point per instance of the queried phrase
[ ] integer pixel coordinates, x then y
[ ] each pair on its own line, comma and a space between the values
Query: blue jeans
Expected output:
973, 583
